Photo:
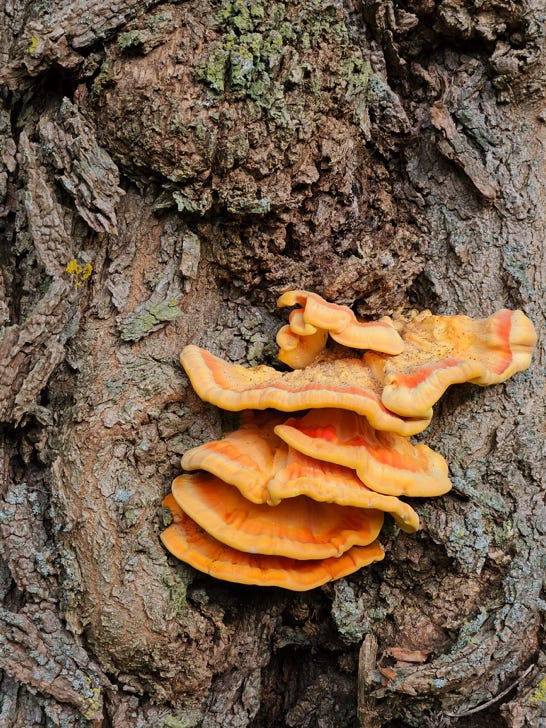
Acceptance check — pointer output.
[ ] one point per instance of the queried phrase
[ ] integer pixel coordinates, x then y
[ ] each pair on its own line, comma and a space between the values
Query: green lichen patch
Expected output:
185, 202
255, 56
353, 613
92, 699
148, 318
188, 719
177, 581
104, 78
145, 33
131, 40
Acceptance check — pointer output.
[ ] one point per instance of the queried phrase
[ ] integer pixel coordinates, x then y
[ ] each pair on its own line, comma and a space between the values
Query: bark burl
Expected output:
168, 169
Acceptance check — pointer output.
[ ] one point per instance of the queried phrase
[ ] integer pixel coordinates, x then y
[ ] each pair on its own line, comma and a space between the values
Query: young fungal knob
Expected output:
342, 325
300, 343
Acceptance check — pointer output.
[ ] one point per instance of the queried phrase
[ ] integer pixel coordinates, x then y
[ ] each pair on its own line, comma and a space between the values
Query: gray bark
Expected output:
186, 162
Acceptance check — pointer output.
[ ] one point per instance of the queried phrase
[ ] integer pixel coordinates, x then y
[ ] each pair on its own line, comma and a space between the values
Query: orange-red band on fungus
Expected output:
298, 528
188, 542
385, 462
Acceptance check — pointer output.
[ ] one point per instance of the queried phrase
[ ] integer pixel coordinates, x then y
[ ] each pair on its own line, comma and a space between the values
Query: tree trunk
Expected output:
168, 169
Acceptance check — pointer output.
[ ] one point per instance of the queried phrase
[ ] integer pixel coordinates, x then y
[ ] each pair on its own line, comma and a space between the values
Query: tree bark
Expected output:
167, 170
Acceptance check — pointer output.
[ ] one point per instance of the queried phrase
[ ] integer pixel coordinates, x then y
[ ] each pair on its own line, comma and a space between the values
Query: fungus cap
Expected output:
245, 458
266, 470
297, 349
331, 483
342, 324
191, 544
331, 382
297, 528
385, 462
298, 324
445, 350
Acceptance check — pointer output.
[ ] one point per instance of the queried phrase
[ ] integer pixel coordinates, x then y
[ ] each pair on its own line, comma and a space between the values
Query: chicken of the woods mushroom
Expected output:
298, 500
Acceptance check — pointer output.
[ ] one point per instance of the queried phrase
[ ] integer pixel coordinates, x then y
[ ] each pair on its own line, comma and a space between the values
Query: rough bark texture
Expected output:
167, 169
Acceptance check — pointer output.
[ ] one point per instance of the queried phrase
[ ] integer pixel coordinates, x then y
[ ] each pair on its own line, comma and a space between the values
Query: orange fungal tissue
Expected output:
298, 500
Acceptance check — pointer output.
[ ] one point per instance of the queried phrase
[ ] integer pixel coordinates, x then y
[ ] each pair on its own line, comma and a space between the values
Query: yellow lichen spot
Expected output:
86, 272
91, 700
539, 693
79, 272
74, 267
33, 45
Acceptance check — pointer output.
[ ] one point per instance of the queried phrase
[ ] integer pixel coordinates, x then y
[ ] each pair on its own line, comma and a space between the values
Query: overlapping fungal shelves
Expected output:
297, 501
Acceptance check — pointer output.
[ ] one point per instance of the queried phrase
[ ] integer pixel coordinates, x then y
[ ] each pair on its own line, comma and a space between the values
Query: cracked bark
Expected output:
198, 158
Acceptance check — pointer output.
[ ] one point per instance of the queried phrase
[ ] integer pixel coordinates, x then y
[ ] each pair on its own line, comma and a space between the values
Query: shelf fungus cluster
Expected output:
296, 501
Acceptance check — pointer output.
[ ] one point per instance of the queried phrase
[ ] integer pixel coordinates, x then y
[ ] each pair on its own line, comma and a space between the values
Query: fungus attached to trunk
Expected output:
299, 528
385, 462
190, 543
266, 470
345, 383
300, 501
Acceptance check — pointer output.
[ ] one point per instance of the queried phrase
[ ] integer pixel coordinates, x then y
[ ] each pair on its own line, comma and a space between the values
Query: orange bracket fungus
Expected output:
299, 501
267, 470
444, 350
384, 461
344, 383
190, 543
298, 528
